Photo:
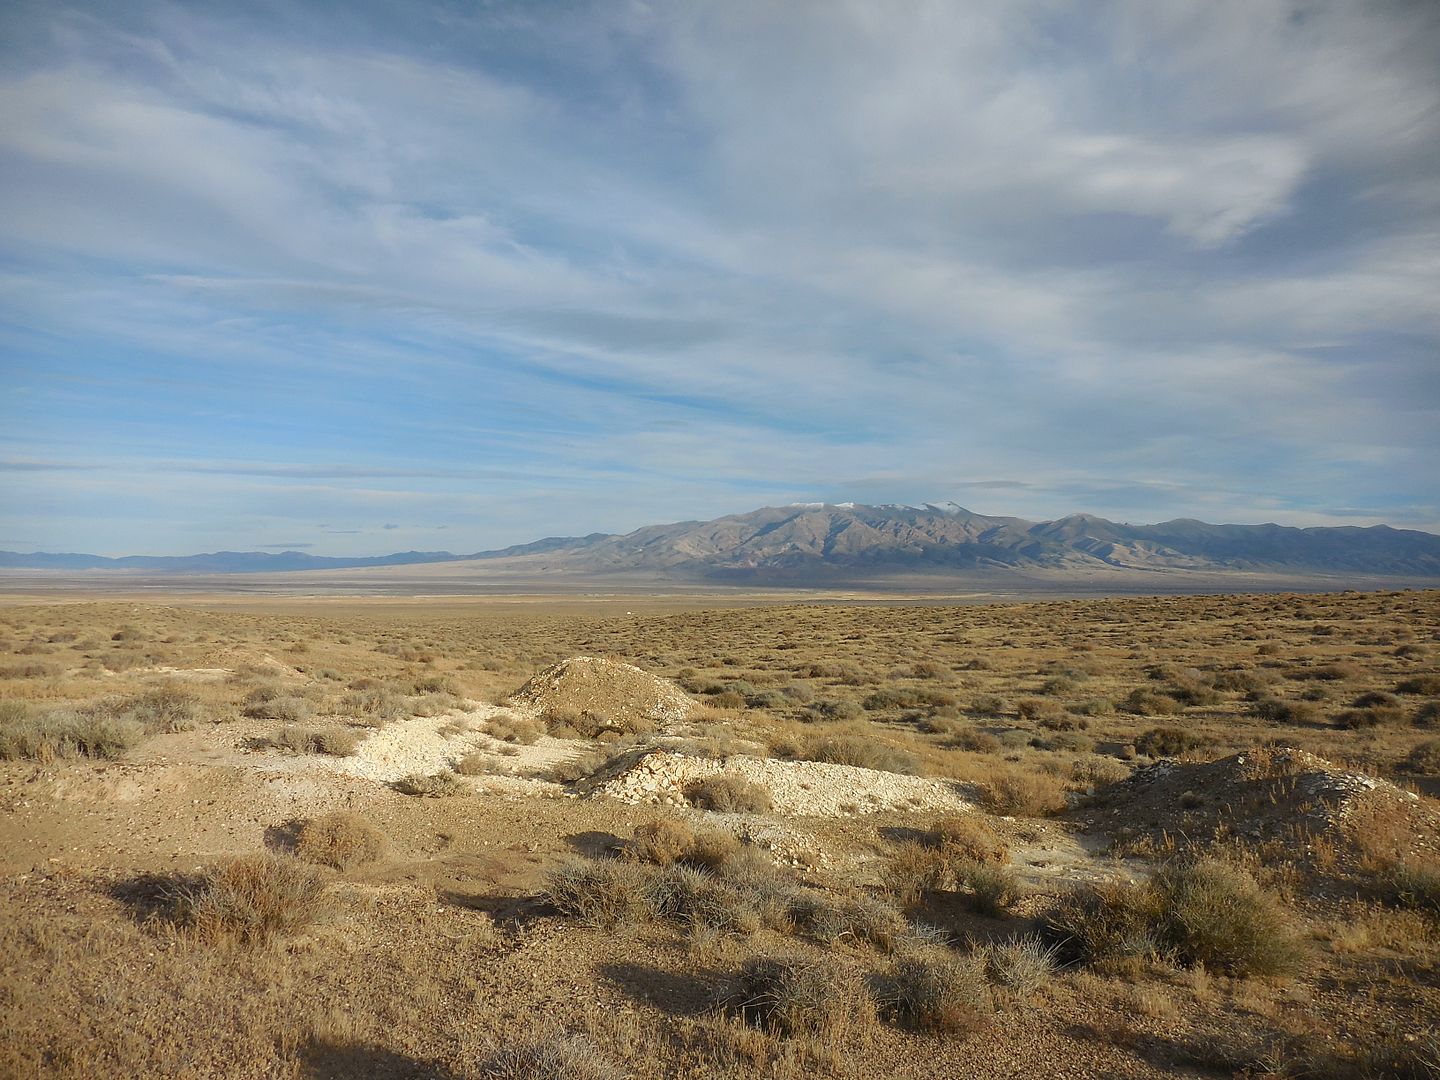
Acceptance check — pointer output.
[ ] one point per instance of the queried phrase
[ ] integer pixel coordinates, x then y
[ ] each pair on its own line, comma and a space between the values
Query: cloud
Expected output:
519, 276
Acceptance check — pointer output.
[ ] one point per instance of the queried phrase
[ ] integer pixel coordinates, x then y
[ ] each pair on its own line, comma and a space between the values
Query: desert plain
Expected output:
726, 835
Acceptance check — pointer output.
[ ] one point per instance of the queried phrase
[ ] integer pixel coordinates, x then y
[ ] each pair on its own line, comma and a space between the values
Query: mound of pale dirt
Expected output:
797, 788
1270, 793
621, 696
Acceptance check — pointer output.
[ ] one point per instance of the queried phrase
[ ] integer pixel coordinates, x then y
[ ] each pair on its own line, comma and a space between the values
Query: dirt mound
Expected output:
796, 788
1267, 794
619, 695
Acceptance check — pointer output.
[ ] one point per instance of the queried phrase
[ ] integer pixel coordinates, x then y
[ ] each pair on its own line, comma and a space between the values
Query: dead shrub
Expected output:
435, 786
1143, 702
1428, 685
728, 795
969, 836
798, 996
1276, 711
250, 899
339, 839
662, 842
862, 918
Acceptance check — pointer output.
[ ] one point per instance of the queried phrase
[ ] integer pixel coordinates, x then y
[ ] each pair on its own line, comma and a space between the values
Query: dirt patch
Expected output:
621, 693
797, 788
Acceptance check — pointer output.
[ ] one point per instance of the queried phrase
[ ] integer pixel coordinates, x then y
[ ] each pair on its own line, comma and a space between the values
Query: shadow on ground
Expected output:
336, 1061
677, 993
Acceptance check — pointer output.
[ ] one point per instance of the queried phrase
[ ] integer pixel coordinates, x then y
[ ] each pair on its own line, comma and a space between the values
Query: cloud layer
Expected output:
463, 280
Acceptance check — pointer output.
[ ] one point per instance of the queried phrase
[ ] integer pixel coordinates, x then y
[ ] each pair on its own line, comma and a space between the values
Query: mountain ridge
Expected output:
831, 540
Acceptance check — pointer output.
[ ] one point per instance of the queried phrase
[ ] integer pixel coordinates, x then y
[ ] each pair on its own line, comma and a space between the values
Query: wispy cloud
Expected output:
522, 276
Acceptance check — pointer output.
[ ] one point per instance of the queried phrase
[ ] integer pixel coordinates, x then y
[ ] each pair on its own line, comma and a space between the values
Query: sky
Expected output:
365, 278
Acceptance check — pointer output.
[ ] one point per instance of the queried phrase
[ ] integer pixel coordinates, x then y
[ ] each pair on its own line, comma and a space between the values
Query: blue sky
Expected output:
364, 278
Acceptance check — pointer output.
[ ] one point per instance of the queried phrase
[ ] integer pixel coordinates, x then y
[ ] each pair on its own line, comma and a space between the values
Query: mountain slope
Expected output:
831, 541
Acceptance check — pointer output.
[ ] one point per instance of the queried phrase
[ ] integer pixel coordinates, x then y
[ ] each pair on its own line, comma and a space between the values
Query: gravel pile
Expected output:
1262, 794
621, 693
797, 788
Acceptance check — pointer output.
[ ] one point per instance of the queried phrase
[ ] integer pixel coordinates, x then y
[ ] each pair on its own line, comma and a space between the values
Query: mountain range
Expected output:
830, 541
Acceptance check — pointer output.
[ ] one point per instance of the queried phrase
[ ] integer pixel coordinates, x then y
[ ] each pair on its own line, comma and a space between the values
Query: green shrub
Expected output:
1203, 912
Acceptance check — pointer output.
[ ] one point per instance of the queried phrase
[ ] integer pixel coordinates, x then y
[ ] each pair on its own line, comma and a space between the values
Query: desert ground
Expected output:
709, 836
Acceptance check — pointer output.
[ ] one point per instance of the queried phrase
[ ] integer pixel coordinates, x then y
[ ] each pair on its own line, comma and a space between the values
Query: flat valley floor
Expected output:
269, 836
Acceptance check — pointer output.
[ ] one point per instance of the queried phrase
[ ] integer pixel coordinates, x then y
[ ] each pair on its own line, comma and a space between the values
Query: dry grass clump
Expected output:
559, 1057
507, 727
1413, 884
337, 742
799, 996
666, 841
269, 701
1277, 711
728, 795
605, 893
969, 836
50, 734
163, 709
339, 839
1023, 793
938, 992
862, 751
1206, 912
374, 706
861, 918
249, 899
1169, 742
1427, 685
1023, 965
435, 785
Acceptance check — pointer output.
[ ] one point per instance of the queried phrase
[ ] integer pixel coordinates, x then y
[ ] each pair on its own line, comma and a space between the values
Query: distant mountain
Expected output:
823, 539
218, 562
830, 542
